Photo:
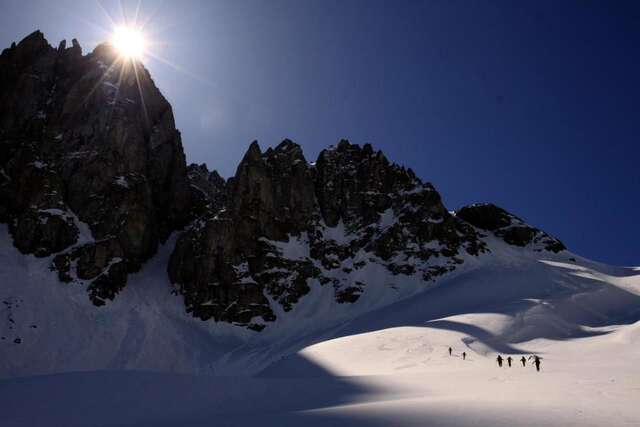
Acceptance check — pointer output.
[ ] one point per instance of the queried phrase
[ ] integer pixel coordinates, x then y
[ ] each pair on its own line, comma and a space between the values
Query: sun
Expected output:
129, 42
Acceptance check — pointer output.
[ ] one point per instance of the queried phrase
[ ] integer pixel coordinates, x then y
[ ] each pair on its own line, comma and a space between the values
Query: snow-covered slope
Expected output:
499, 301
322, 363
388, 366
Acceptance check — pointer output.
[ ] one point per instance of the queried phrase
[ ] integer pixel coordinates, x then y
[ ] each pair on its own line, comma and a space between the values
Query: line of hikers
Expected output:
536, 361
500, 359
464, 354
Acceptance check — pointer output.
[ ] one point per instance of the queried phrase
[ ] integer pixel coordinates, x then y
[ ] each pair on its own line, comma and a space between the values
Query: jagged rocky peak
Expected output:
354, 183
509, 227
91, 165
271, 193
208, 190
200, 173
288, 226
218, 260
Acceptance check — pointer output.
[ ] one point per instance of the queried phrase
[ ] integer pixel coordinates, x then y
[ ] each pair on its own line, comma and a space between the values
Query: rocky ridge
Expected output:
93, 175
288, 225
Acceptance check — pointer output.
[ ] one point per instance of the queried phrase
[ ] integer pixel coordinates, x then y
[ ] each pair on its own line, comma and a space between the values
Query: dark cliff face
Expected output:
288, 225
87, 140
208, 190
282, 226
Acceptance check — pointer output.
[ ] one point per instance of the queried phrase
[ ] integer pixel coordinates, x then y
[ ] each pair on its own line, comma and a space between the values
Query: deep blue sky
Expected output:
531, 105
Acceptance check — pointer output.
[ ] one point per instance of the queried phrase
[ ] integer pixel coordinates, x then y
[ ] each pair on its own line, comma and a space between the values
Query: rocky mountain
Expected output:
286, 225
289, 225
92, 168
93, 175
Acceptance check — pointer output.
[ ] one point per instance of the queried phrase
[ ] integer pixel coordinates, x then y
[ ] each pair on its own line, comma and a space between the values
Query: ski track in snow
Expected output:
142, 361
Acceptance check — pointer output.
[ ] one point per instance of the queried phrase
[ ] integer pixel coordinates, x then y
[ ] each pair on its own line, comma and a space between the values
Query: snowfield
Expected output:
142, 361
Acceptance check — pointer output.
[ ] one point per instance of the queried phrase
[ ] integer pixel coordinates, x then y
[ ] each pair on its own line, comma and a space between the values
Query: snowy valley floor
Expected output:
141, 361
396, 377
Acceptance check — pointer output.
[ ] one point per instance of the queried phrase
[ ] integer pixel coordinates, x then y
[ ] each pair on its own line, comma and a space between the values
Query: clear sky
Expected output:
531, 105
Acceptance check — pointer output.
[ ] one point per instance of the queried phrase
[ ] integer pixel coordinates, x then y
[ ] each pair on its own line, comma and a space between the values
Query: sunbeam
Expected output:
104, 76
140, 91
178, 68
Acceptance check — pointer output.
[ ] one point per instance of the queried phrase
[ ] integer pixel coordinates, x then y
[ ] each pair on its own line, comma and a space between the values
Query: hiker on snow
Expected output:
523, 360
464, 355
499, 359
450, 350
536, 361
509, 359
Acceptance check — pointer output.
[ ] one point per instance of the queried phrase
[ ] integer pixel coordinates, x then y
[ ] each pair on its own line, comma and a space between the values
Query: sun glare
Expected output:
129, 42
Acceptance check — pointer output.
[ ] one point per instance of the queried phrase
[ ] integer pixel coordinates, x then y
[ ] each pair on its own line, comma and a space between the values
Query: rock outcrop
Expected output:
208, 190
509, 227
288, 225
91, 165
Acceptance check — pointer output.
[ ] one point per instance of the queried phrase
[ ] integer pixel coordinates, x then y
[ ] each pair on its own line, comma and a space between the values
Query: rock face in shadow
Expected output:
509, 227
91, 165
208, 190
288, 225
